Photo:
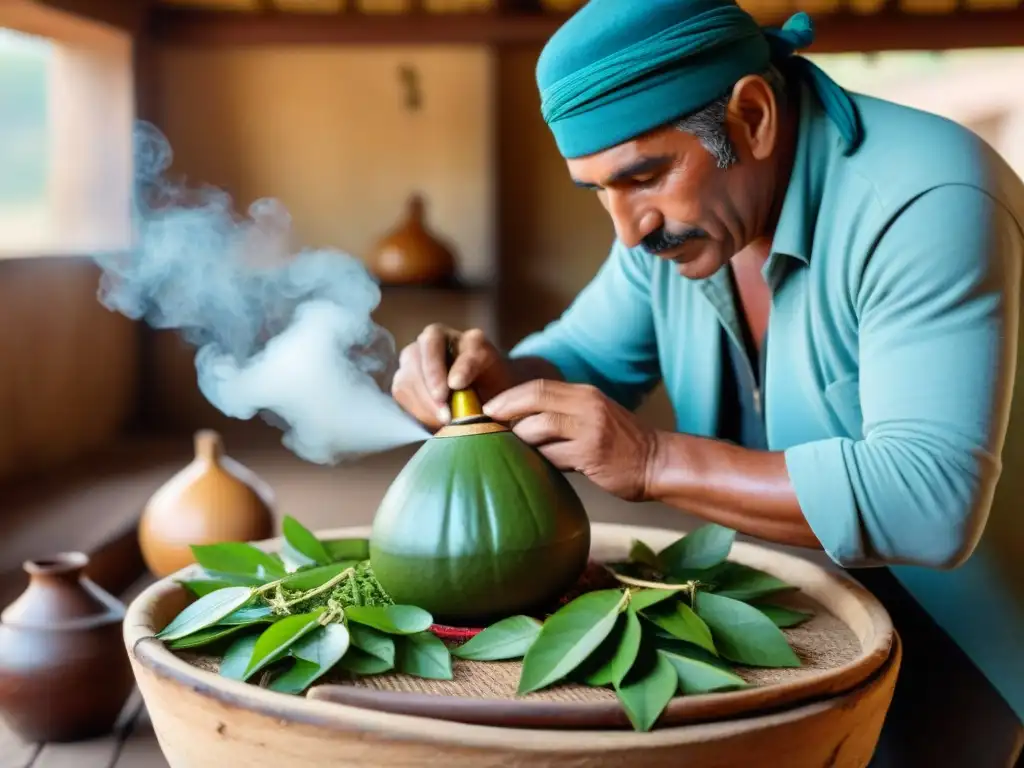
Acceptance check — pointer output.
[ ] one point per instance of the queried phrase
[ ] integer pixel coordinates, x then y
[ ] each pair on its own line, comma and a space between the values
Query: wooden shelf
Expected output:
835, 33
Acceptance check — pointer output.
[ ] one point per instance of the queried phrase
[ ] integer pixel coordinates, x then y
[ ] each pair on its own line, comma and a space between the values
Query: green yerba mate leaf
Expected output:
373, 642
703, 576
679, 620
569, 636
252, 614
234, 579
236, 658
743, 634
238, 558
277, 639
629, 647
642, 599
205, 612
783, 617
203, 587
315, 654
347, 549
424, 655
596, 669
610, 662
741, 582
324, 645
362, 663
297, 678
647, 689
643, 554
311, 578
303, 541
690, 651
393, 619
704, 547
507, 639
204, 637
294, 560
700, 677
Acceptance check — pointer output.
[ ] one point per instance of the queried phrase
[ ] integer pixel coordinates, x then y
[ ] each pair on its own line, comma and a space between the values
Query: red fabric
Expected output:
454, 633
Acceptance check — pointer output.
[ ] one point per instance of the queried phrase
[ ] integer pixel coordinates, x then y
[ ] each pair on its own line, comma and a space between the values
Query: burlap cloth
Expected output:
822, 642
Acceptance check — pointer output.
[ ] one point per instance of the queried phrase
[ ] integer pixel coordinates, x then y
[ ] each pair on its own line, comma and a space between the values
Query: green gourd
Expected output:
478, 525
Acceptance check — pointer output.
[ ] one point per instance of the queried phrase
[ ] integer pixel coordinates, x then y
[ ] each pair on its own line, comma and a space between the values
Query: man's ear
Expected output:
754, 113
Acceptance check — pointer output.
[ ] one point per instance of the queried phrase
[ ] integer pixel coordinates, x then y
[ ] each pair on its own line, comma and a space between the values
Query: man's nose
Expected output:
631, 225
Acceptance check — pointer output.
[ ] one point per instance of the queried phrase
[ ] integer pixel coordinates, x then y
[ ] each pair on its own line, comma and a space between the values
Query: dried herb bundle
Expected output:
680, 621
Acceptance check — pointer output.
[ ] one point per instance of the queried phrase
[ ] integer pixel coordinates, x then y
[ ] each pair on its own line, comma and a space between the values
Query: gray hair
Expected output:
708, 123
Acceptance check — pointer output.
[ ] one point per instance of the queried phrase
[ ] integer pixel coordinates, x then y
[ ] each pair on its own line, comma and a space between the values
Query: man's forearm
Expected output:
739, 488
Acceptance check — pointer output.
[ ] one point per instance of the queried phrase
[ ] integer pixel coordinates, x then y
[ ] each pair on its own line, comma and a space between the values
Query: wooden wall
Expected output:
75, 375
69, 370
68, 366
330, 133
323, 129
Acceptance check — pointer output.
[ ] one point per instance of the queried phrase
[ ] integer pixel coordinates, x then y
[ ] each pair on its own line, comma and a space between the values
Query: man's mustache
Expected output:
661, 240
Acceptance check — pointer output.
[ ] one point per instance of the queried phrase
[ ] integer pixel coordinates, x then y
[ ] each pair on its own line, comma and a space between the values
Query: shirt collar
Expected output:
816, 147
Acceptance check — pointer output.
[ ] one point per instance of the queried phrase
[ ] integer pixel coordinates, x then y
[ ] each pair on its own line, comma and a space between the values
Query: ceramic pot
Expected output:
411, 254
212, 500
64, 674
825, 717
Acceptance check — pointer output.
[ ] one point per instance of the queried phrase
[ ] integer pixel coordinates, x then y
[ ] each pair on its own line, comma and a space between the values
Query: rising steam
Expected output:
280, 333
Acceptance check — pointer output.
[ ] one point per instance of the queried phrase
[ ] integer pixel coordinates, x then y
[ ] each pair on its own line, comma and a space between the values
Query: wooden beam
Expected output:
835, 33
229, 28
124, 14
893, 31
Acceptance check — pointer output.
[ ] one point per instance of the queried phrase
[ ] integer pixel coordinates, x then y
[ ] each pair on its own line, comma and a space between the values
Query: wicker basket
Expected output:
827, 712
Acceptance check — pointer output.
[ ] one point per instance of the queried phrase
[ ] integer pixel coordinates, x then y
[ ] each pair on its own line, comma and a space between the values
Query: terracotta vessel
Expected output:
64, 675
411, 254
827, 717
214, 499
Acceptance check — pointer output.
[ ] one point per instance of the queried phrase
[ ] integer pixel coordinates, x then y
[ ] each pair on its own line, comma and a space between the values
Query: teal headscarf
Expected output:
619, 68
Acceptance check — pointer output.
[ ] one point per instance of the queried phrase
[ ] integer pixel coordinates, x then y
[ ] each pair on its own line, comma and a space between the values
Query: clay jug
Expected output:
212, 500
411, 254
64, 673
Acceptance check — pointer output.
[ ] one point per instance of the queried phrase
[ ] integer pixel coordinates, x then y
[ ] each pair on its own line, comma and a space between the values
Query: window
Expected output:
25, 138
66, 120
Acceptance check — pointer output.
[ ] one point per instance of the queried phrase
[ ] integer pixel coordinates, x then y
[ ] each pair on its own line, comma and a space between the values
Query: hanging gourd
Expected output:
478, 525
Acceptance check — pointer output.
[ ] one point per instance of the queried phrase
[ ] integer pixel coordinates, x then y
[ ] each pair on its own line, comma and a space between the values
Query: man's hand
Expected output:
578, 428
423, 381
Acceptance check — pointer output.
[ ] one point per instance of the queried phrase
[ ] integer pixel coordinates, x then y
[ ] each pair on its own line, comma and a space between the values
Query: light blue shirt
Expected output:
892, 352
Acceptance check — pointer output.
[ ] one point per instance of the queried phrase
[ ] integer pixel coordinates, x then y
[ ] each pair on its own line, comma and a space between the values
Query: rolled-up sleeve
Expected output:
937, 304
606, 337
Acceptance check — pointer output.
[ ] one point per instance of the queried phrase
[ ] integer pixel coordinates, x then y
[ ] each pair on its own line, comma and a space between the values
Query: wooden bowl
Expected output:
830, 716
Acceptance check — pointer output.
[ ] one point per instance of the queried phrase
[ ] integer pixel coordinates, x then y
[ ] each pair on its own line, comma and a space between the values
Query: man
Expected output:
828, 285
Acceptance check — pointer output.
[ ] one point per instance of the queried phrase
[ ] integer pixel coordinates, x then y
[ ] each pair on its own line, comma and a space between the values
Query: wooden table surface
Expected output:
131, 745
